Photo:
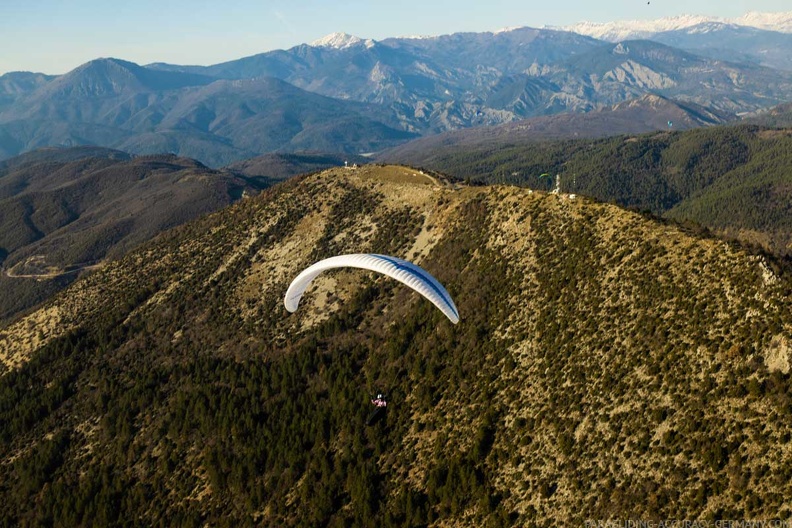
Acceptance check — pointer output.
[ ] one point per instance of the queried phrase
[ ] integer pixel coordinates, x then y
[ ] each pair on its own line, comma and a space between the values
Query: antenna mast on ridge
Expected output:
557, 189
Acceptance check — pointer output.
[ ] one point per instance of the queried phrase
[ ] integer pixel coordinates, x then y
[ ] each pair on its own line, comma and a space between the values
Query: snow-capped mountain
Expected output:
340, 41
781, 22
733, 43
636, 29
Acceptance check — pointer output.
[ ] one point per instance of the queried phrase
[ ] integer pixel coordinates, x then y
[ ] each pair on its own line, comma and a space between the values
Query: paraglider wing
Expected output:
405, 272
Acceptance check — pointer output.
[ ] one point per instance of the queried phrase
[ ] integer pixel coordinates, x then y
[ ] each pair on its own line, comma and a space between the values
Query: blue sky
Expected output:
55, 36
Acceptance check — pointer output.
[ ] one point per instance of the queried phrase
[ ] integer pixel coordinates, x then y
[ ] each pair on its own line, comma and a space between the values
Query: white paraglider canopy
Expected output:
403, 271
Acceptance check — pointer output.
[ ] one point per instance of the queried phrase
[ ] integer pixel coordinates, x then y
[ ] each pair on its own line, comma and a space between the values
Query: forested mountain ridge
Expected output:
606, 366
779, 116
63, 211
735, 180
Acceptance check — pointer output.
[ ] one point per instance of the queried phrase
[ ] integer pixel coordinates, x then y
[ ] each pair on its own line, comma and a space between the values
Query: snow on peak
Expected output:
773, 21
708, 27
631, 29
507, 29
340, 41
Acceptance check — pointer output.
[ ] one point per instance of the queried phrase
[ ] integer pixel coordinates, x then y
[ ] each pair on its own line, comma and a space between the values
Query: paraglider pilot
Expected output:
380, 403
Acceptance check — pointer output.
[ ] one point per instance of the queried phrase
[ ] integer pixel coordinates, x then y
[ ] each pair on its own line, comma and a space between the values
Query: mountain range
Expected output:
506, 75
645, 114
145, 111
762, 38
607, 365
66, 211
358, 96
641, 29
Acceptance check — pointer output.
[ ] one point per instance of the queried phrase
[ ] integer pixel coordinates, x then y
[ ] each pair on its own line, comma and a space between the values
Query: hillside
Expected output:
607, 366
776, 117
66, 210
630, 69
59, 155
732, 179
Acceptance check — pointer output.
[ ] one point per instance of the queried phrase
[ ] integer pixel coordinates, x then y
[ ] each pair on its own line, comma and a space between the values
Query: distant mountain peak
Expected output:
102, 76
113, 60
341, 41
632, 29
107, 64
707, 27
772, 21
506, 29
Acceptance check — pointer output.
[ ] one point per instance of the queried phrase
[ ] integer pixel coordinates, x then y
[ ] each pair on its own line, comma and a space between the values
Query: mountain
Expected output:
606, 366
264, 115
60, 155
15, 84
472, 79
777, 117
107, 77
617, 72
733, 180
645, 114
732, 43
95, 91
124, 106
761, 38
404, 71
367, 73
340, 41
781, 21
641, 29
489, 55
273, 167
360, 96
63, 211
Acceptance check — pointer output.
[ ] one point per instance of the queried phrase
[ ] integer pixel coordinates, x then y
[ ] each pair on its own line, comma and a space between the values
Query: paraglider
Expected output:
670, 124
380, 406
403, 271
